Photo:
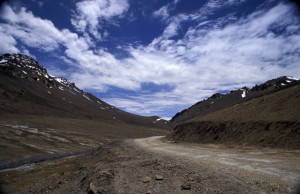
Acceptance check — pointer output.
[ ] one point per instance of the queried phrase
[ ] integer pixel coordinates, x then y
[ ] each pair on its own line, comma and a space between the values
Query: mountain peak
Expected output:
23, 66
276, 83
28, 68
20, 60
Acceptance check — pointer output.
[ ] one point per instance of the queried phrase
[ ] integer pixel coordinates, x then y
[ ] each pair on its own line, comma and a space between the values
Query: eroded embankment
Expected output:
263, 134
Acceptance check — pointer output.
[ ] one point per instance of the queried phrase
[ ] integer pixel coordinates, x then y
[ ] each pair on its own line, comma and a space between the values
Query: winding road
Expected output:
282, 164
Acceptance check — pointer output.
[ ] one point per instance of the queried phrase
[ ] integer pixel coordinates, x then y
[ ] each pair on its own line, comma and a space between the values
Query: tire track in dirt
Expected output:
282, 164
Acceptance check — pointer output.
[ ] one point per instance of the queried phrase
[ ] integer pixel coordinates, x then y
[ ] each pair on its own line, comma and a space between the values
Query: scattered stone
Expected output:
92, 189
148, 192
146, 179
191, 179
186, 186
107, 174
159, 177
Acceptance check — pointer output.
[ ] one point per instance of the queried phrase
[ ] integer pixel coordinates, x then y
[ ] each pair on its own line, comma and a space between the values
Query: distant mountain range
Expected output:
26, 88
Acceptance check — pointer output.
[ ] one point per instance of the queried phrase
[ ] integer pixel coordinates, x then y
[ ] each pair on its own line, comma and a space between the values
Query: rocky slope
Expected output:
220, 101
271, 120
27, 88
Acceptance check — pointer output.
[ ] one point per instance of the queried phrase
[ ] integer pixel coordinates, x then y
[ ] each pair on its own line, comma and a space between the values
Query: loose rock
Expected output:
159, 177
186, 186
107, 174
92, 189
146, 179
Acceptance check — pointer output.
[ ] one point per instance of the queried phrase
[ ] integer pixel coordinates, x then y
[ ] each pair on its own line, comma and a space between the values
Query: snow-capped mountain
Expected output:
27, 88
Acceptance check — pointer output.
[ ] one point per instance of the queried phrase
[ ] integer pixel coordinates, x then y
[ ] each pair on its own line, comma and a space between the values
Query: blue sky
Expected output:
156, 57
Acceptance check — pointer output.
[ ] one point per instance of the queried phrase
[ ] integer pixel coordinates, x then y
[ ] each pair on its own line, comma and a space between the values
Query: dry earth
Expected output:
150, 165
268, 121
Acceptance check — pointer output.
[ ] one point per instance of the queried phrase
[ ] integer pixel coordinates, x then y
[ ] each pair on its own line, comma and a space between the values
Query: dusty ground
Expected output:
150, 165
29, 137
283, 164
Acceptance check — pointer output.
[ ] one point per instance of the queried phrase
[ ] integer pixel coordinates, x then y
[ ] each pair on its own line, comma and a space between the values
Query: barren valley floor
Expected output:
153, 165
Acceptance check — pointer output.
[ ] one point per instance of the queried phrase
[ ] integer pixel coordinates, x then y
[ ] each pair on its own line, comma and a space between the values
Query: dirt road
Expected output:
154, 166
283, 164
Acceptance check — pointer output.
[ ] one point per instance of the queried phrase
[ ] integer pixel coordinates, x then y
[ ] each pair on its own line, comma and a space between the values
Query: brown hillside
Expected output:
269, 121
283, 105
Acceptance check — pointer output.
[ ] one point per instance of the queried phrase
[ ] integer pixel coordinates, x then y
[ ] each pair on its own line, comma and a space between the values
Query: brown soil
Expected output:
218, 102
268, 121
259, 134
280, 106
151, 167
32, 136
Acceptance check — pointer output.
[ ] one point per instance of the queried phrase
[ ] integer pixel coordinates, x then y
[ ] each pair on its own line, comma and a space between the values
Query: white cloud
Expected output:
211, 6
223, 54
8, 42
242, 53
31, 30
171, 30
174, 25
163, 12
89, 14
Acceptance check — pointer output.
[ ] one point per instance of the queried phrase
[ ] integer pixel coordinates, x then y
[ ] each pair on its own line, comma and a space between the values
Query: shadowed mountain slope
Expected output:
220, 101
26, 88
270, 119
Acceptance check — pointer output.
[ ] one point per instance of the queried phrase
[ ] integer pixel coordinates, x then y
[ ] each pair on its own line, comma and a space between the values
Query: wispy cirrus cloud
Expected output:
221, 55
162, 12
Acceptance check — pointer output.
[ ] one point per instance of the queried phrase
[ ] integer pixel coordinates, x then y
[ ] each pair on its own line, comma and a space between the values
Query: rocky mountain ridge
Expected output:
220, 101
270, 117
27, 68
27, 88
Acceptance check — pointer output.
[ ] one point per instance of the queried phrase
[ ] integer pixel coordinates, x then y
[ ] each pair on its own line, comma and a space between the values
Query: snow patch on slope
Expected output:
62, 80
292, 78
244, 94
87, 97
